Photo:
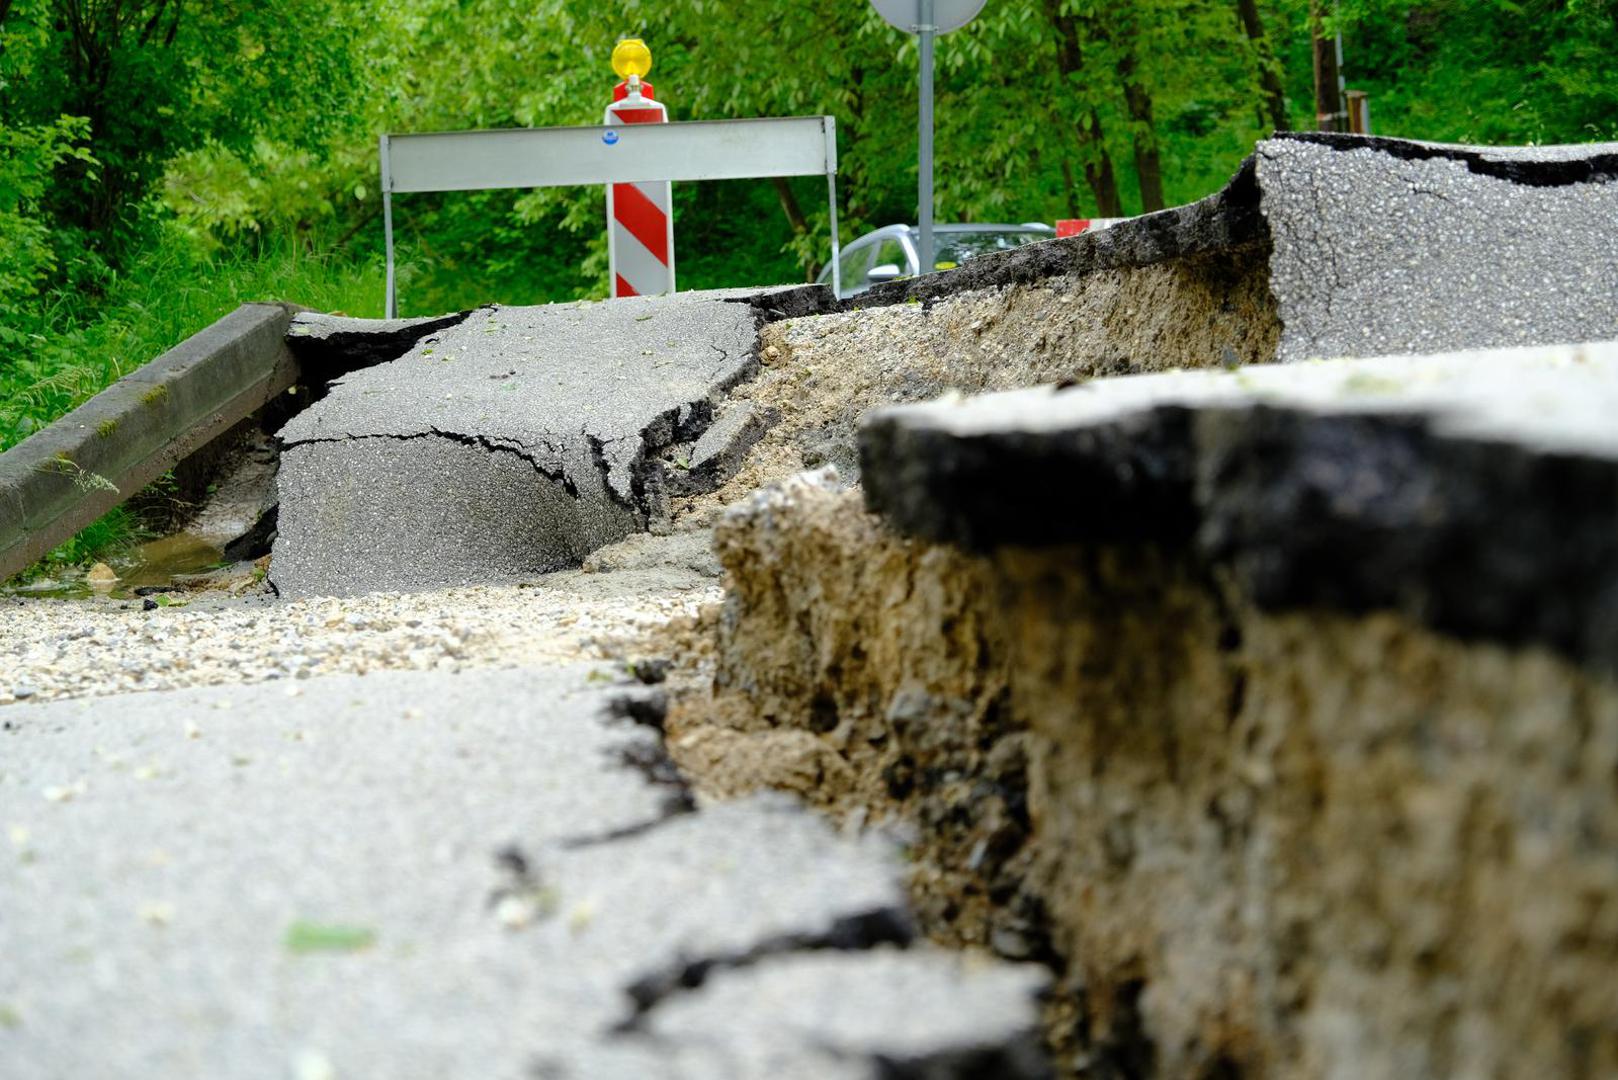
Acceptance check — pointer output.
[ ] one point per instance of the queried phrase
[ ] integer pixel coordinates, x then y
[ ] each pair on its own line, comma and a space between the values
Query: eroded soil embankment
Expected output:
1253, 844
820, 374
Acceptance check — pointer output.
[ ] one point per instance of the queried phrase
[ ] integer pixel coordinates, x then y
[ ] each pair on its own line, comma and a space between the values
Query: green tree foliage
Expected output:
1501, 71
28, 159
155, 149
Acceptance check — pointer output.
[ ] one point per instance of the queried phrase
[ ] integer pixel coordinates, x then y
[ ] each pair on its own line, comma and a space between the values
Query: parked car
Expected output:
890, 253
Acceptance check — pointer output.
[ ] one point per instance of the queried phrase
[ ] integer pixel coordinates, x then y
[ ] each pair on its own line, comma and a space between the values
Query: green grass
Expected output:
65, 350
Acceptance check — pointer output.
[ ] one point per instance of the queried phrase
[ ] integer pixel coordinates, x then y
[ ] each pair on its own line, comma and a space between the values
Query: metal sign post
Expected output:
926, 19
924, 134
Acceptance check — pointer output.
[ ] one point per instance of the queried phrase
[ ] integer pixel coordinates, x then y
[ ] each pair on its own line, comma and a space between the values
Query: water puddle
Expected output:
154, 564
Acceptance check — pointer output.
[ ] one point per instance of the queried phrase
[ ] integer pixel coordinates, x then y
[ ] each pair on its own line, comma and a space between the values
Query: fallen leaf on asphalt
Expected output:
308, 937
158, 913
582, 915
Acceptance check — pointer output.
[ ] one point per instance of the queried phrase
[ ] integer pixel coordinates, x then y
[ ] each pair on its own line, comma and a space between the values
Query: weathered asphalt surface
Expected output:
1383, 246
515, 441
429, 875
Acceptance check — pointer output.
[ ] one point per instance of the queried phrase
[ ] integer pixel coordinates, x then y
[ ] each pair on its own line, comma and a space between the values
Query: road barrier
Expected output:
640, 217
1075, 226
552, 157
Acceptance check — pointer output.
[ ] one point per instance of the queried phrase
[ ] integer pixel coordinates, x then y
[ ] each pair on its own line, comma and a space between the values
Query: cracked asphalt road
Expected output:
404, 875
515, 441
1384, 246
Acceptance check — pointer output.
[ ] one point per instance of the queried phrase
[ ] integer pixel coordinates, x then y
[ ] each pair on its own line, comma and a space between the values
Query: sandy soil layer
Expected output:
1291, 845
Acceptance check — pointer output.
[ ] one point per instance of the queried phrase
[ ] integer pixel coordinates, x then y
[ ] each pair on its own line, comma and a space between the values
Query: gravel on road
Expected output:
73, 648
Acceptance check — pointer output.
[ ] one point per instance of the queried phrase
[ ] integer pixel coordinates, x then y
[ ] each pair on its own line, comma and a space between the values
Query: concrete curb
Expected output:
56, 481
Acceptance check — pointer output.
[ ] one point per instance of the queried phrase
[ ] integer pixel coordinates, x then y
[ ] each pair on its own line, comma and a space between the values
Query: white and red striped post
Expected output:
640, 217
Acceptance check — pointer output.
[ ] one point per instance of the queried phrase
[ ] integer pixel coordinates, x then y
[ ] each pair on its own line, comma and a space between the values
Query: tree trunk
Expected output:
1329, 112
1098, 171
1275, 94
1148, 159
795, 218
1069, 184
789, 205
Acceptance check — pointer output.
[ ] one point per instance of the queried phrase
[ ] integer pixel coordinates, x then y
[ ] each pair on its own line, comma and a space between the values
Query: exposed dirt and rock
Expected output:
1256, 822
1251, 842
1236, 701
822, 374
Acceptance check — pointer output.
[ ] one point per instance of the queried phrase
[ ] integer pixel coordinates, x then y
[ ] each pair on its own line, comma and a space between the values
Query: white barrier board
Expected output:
621, 154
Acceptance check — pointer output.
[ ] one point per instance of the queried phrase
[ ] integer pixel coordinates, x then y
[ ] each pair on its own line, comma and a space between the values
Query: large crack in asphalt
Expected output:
645, 708
649, 756
1494, 162
328, 347
856, 932
557, 475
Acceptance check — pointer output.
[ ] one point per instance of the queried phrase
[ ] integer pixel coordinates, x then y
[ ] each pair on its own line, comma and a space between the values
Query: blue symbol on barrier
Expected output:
609, 137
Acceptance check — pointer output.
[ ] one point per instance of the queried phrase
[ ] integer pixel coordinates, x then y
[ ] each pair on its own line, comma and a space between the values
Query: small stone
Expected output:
101, 576
64, 792
23, 693
515, 912
157, 913
313, 1065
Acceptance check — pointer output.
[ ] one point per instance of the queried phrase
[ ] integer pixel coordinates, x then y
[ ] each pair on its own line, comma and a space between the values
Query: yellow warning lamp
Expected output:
631, 59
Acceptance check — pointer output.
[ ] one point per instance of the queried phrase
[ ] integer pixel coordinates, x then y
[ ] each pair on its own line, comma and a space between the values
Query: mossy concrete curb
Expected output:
60, 479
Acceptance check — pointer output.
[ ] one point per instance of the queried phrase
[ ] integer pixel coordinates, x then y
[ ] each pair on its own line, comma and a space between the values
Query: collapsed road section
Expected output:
1240, 699
521, 439
515, 441
1365, 246
1259, 716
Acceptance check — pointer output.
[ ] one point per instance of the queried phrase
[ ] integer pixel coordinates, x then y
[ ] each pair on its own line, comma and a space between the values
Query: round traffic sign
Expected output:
947, 14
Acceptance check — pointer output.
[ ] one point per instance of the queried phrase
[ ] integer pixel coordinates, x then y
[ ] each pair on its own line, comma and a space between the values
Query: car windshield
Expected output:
890, 253
957, 247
